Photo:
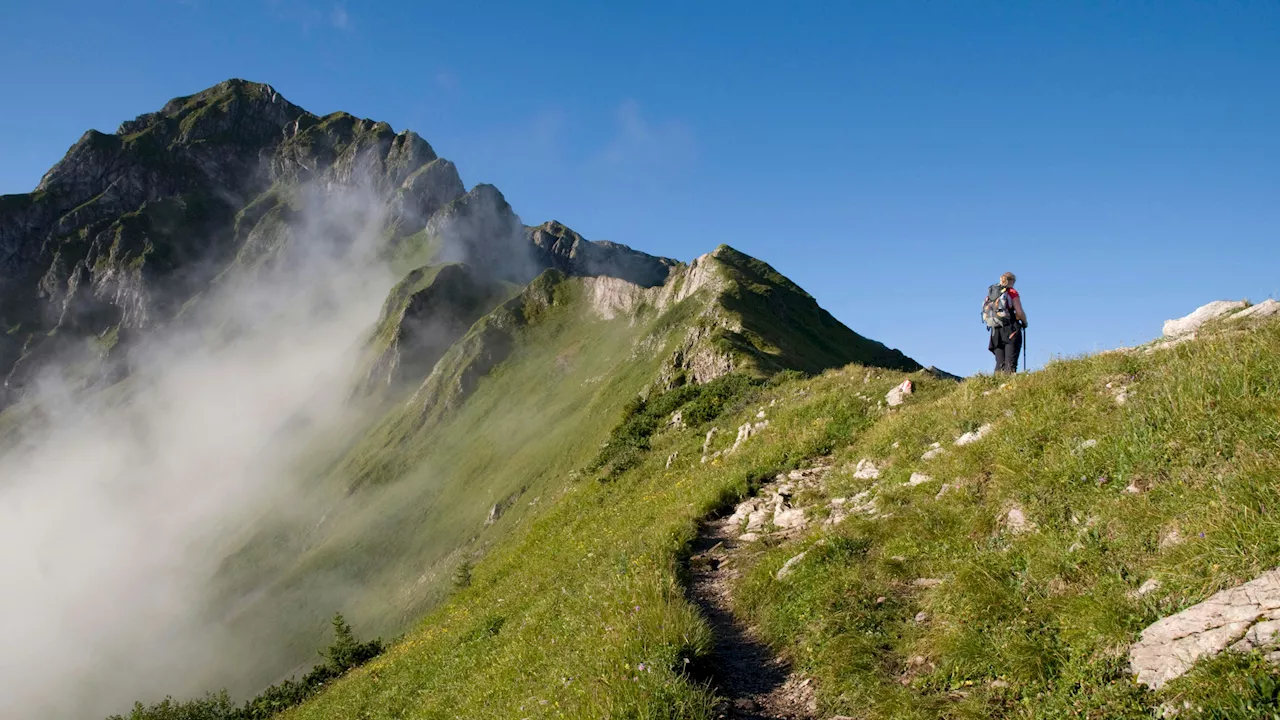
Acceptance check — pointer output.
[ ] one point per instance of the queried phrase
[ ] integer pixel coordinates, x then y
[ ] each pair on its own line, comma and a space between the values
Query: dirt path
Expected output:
756, 684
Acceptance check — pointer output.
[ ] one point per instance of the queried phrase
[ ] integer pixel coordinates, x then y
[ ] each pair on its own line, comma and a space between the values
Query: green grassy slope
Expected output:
1038, 624
581, 612
407, 504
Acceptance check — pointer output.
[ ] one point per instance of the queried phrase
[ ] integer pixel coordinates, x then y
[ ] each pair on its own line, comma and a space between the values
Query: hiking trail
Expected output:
754, 682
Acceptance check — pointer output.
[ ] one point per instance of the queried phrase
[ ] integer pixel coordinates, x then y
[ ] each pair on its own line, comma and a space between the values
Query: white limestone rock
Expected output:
1203, 314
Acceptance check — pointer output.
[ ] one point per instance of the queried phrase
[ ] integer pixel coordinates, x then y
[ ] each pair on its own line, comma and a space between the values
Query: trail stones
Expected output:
789, 566
974, 436
898, 395
773, 507
787, 517
1203, 314
934, 451
866, 470
1240, 618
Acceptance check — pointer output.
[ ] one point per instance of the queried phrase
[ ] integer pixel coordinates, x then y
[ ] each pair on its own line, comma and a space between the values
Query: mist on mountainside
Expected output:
116, 512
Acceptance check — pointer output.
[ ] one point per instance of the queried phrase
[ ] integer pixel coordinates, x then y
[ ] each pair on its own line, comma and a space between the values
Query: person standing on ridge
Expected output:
1003, 315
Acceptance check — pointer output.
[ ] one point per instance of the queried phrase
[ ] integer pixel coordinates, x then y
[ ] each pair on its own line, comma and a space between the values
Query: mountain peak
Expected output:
234, 96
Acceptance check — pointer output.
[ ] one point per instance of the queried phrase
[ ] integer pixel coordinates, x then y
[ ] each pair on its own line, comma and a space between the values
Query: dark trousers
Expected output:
1006, 345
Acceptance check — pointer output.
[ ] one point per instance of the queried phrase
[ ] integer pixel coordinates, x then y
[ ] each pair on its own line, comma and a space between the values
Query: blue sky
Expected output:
1123, 158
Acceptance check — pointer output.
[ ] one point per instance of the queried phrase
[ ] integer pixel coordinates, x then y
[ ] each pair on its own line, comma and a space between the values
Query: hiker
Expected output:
1003, 315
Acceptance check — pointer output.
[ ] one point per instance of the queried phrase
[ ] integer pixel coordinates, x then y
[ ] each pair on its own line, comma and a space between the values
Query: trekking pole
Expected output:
1024, 350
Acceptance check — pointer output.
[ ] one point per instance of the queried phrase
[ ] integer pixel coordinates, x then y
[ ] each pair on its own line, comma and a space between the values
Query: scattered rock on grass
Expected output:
974, 436
1146, 588
918, 479
899, 394
1016, 522
866, 470
934, 451
789, 566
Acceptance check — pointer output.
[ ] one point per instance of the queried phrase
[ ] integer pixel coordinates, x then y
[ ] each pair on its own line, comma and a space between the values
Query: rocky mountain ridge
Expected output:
129, 228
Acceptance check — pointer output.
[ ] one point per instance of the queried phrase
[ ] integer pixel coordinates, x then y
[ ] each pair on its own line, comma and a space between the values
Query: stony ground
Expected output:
755, 683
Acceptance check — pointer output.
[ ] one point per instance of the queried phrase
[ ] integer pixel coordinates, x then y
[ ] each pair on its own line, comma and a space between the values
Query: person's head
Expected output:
1008, 279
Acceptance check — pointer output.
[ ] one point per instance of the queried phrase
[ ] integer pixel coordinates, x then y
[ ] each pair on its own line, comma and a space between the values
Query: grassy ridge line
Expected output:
582, 613
1037, 625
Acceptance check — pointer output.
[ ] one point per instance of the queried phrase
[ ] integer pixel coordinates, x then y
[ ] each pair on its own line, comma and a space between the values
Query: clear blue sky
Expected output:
892, 158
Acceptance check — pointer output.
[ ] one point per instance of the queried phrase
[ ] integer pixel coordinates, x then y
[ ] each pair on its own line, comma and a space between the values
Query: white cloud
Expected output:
307, 16
446, 80
640, 142
339, 17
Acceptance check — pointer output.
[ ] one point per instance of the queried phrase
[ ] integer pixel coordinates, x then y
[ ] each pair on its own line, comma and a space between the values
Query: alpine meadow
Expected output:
295, 424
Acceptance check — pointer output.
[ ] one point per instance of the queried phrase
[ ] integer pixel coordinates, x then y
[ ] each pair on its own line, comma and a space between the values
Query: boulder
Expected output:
899, 394
1240, 618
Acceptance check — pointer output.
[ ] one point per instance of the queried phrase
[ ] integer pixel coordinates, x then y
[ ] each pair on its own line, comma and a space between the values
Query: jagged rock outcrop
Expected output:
422, 193
563, 249
481, 230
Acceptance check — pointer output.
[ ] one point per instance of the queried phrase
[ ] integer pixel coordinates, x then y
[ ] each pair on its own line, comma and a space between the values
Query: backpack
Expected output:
997, 311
